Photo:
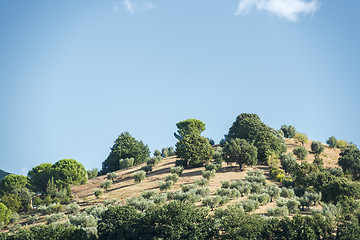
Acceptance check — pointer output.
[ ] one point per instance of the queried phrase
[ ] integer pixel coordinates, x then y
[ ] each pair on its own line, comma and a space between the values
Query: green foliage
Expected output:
111, 176
12, 182
208, 174
342, 144
157, 153
317, 147
25, 197
240, 151
39, 177
125, 146
194, 150
98, 193
73, 208
69, 171
188, 187
5, 214
173, 177
55, 218
211, 167
3, 174
92, 173
165, 152
338, 189
12, 201
249, 205
189, 127
126, 163
288, 163
31, 219
106, 184
83, 220
202, 182
139, 176
177, 170
331, 141
289, 131
300, 152
278, 211
167, 185
350, 160
147, 168
301, 138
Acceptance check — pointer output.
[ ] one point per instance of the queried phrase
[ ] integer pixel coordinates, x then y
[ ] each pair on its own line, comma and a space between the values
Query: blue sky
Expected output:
75, 74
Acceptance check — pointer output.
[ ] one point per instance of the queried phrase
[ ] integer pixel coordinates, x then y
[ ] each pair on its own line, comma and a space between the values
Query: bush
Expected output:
139, 176
202, 182
301, 152
317, 147
55, 218
211, 202
278, 211
73, 208
92, 173
140, 203
96, 210
288, 163
250, 205
84, 220
126, 163
338, 172
32, 219
111, 176
106, 184
186, 188
166, 185
293, 205
342, 144
260, 179
213, 167
149, 194
225, 184
331, 141
208, 174
98, 193
223, 192
287, 192
172, 177
147, 168
202, 192
157, 153
165, 152
177, 170
14, 218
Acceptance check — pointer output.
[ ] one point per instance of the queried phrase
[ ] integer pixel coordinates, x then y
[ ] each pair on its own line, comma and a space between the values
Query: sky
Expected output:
74, 75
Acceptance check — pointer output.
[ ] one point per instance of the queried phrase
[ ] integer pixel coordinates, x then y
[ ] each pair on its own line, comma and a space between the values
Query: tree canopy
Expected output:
189, 126
350, 160
39, 177
194, 150
125, 146
69, 171
240, 151
12, 182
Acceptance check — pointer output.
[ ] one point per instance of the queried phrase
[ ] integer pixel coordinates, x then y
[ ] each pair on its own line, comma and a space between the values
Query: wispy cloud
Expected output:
132, 6
287, 9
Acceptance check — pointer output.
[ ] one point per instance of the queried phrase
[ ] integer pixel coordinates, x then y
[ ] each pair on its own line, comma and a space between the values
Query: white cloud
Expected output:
133, 7
288, 9
130, 6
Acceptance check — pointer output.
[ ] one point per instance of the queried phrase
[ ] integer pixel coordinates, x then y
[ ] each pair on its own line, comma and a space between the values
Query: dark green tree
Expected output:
5, 214
12, 182
289, 164
69, 171
300, 152
338, 189
317, 147
194, 150
189, 126
331, 141
350, 160
125, 146
289, 131
39, 177
240, 151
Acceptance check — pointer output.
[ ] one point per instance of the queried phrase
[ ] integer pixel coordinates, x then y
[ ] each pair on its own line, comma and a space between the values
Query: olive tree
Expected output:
240, 151
317, 147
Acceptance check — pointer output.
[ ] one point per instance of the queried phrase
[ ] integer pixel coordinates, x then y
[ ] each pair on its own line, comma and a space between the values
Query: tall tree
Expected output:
125, 146
189, 126
39, 177
12, 182
69, 171
240, 151
350, 160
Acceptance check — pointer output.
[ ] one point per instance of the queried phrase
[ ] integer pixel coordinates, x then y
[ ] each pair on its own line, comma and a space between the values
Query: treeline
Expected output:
179, 220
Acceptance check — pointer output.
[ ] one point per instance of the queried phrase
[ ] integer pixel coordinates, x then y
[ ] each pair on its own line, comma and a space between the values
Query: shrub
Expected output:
202, 192
96, 210
84, 220
208, 174
338, 172
166, 185
140, 203
73, 208
211, 202
37, 201
165, 152
14, 218
301, 137
258, 179
256, 187
157, 153
342, 144
126, 163
32, 219
331, 141
278, 211
160, 198
293, 205
300, 152
288, 163
317, 147
149, 194
173, 177
55, 218
225, 184
92, 173
106, 184
139, 176
188, 187
287, 192
177, 170
250, 205
112, 201
223, 192
98, 193
147, 168
213, 167
202, 182
111, 176
261, 198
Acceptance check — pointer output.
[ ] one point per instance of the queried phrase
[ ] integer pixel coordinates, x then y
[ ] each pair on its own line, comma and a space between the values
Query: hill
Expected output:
3, 174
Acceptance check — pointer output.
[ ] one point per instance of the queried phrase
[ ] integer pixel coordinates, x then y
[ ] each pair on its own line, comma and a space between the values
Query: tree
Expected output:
12, 182
69, 171
240, 151
139, 176
11, 201
189, 126
249, 127
300, 152
125, 146
289, 131
350, 160
194, 150
289, 164
5, 214
301, 137
317, 147
331, 141
39, 177
340, 188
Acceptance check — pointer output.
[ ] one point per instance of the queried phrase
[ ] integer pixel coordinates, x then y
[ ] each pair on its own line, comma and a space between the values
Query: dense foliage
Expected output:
69, 171
189, 126
125, 146
240, 151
